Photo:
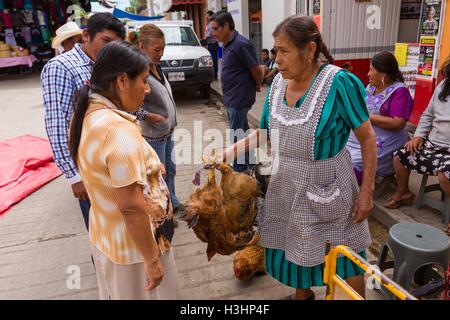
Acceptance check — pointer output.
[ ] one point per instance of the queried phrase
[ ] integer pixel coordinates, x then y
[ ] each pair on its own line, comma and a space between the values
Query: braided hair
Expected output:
302, 30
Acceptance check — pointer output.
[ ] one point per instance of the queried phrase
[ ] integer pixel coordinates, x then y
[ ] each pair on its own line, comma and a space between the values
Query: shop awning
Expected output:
182, 2
126, 15
180, 5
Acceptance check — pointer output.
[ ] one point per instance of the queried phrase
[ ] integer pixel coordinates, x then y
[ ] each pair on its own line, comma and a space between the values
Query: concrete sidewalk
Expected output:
386, 216
255, 112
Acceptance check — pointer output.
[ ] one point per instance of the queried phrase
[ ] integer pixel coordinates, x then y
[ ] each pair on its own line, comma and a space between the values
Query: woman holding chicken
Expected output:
313, 197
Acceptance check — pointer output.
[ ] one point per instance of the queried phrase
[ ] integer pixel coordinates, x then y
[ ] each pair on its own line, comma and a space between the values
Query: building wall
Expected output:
214, 5
239, 10
196, 13
445, 48
345, 28
346, 33
408, 31
274, 12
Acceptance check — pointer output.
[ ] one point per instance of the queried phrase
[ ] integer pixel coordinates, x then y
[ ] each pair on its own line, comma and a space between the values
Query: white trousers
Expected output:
127, 282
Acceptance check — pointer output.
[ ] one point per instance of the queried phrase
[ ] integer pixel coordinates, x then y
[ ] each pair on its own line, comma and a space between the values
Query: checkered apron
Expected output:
308, 202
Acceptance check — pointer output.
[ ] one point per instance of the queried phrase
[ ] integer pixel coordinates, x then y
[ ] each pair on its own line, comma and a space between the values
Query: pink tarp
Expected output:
26, 164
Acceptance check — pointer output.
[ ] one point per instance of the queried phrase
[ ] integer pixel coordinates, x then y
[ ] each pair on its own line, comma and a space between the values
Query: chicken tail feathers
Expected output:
247, 239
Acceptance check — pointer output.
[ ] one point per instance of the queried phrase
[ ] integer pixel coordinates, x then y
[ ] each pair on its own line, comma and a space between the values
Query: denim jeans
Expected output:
164, 150
85, 205
238, 120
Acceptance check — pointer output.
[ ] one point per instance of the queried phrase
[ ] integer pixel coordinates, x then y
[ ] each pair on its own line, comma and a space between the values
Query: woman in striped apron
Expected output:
313, 195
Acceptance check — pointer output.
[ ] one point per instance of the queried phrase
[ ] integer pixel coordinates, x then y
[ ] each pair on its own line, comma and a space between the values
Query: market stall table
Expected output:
17, 61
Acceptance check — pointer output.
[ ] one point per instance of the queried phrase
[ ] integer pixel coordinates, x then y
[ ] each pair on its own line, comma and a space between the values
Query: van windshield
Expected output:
180, 36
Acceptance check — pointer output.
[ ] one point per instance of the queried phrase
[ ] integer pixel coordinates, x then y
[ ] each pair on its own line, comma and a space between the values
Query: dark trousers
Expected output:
213, 48
85, 205
164, 150
238, 120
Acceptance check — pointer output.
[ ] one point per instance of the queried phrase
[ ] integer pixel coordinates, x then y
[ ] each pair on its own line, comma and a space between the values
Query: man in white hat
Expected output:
66, 37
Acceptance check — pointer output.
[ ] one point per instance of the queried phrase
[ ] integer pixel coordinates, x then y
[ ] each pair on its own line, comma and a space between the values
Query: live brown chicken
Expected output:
223, 216
249, 262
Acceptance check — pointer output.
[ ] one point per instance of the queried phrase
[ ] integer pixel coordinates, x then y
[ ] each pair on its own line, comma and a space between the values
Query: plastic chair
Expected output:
381, 185
414, 246
422, 198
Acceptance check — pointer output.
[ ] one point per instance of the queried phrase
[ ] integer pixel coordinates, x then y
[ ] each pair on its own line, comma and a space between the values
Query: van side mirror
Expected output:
204, 42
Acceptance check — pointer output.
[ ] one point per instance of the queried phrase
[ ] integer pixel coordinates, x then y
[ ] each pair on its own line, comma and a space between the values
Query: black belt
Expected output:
160, 139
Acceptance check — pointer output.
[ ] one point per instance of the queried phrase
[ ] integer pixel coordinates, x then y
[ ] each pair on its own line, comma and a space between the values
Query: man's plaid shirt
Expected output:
61, 79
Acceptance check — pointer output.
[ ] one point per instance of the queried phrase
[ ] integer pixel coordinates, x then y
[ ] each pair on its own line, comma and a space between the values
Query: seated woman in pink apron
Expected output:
390, 105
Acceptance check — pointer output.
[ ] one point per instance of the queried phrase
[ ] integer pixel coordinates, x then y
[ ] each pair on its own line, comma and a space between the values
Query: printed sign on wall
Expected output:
431, 15
411, 9
426, 57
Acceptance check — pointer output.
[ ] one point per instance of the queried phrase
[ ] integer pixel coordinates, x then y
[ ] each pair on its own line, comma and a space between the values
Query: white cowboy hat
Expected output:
65, 32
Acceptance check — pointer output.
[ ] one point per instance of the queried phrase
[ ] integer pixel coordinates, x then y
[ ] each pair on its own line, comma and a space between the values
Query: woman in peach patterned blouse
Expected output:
131, 218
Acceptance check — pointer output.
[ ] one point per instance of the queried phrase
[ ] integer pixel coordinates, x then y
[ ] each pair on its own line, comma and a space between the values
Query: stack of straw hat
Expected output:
5, 50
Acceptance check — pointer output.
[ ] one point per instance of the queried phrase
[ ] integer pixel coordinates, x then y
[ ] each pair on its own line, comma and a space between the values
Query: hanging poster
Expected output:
409, 71
431, 14
411, 9
426, 56
401, 53
316, 7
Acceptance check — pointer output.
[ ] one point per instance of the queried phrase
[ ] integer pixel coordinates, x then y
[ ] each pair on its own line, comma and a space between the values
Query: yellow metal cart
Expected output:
331, 279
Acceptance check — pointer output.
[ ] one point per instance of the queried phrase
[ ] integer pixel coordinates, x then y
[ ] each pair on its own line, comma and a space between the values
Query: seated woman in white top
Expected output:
429, 151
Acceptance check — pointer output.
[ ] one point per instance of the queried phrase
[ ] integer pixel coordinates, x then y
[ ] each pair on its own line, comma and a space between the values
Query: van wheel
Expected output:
206, 91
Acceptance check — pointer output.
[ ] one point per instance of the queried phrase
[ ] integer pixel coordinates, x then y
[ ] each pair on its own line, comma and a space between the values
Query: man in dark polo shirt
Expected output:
241, 76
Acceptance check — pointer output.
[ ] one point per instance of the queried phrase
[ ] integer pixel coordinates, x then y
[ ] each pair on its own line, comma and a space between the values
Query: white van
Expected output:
185, 63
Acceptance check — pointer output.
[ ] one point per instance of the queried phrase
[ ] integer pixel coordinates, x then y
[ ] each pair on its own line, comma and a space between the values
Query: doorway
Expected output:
255, 20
